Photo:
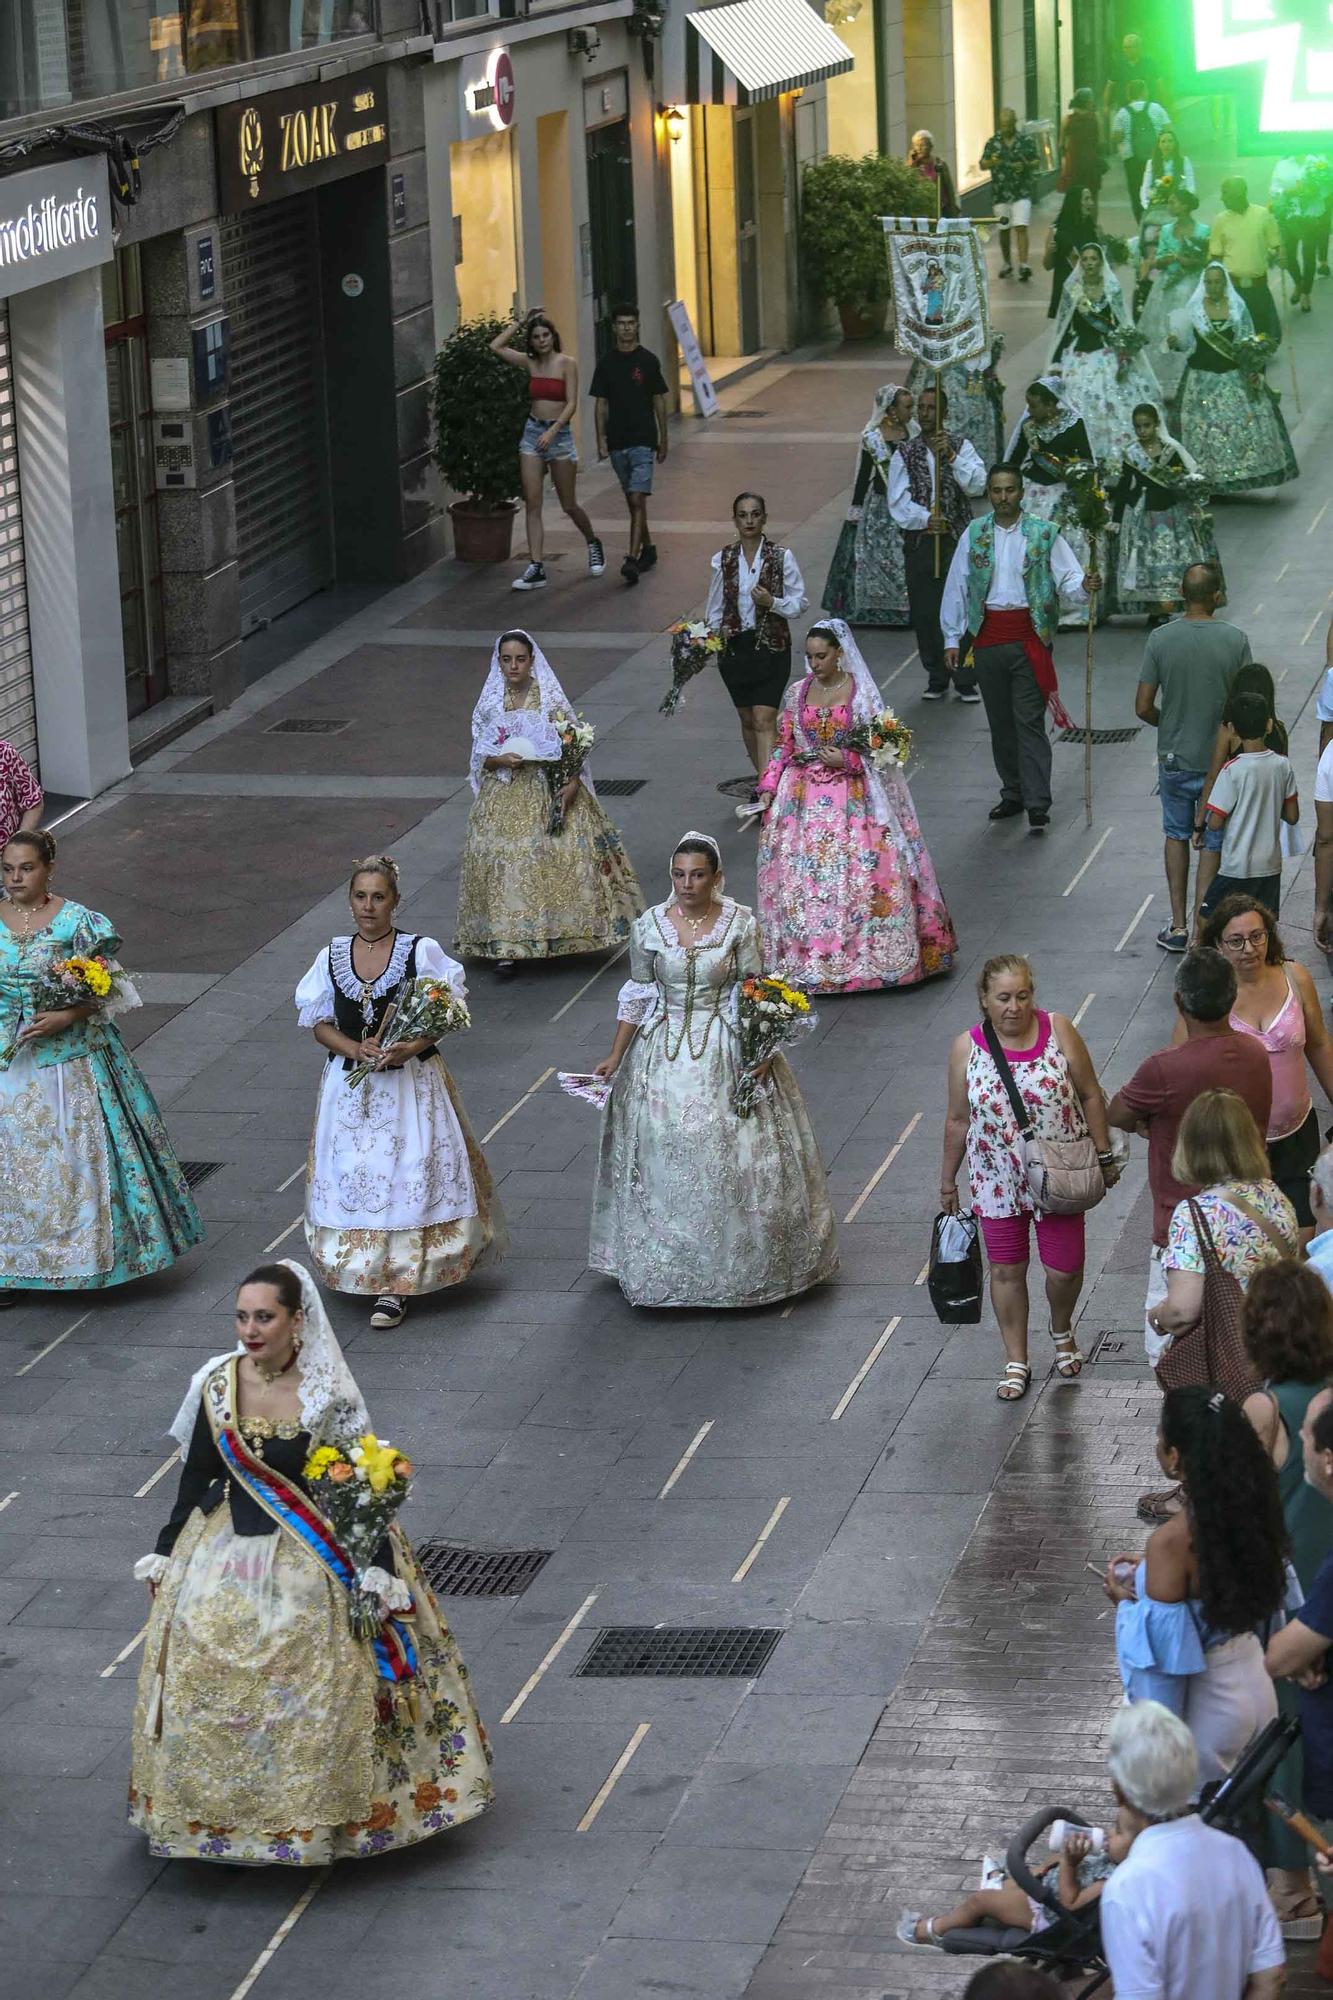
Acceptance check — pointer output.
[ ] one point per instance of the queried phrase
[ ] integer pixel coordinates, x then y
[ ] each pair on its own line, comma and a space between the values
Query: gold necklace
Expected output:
272, 1374
26, 932
696, 924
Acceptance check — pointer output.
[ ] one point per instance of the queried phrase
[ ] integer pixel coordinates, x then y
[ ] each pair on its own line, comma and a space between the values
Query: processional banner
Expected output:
940, 298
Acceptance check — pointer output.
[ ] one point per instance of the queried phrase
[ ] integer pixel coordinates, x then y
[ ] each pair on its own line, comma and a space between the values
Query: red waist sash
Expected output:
1015, 628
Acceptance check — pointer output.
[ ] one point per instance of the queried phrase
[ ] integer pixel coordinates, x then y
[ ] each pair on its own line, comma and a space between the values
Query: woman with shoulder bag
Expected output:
1048, 1066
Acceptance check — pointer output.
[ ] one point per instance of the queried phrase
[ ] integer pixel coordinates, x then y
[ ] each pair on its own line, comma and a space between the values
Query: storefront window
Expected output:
56, 52
481, 173
974, 86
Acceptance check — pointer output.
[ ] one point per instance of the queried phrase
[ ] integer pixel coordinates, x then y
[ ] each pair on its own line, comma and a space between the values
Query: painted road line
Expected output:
899, 670
613, 1777
1083, 1007
1313, 525
290, 1178
1315, 620
269, 1247
687, 1455
882, 1169
486, 1137
8, 1497
865, 1368
922, 1274
1088, 863
1285, 567
161, 1473
51, 1345
561, 1012
1133, 923
533, 1678
1282, 676
124, 1654
765, 1532
281, 1934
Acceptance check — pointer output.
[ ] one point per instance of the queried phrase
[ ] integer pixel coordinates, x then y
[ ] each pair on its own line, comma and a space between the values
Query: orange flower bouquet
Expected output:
359, 1488
425, 1009
769, 1013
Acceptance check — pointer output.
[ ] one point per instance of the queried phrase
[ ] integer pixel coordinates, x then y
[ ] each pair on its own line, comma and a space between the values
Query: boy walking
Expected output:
1252, 796
630, 401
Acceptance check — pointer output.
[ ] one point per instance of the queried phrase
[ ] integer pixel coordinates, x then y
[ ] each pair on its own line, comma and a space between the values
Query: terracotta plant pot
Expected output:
862, 322
482, 535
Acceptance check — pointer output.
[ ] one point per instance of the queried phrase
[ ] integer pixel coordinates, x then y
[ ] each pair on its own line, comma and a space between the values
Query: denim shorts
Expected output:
1180, 792
562, 446
633, 467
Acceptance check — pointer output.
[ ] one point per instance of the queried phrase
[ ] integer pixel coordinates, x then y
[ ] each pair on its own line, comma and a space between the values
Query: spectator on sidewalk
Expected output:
1010, 1979
1134, 131
1162, 1089
1128, 63
1299, 1652
930, 466
547, 443
1186, 1915
629, 394
1255, 795
1188, 667
20, 794
1323, 811
755, 591
1081, 160
1252, 678
1246, 242
922, 159
1319, 1250
1009, 156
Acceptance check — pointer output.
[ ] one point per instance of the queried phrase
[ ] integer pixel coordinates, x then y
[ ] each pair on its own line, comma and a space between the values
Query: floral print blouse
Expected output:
1241, 1244
1046, 1087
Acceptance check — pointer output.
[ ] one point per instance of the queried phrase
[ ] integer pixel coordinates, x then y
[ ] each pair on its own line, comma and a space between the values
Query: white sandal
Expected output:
906, 1932
1068, 1360
1017, 1381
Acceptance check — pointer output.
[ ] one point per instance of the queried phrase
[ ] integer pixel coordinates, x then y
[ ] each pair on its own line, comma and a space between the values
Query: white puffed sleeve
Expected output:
314, 995
638, 996
151, 1569
433, 962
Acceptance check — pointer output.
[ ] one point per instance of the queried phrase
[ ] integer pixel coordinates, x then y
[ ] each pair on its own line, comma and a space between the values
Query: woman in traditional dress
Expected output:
264, 1730
1166, 171
975, 398
695, 1206
1104, 384
867, 580
1175, 265
1160, 533
91, 1192
847, 893
523, 891
1043, 443
1230, 420
399, 1199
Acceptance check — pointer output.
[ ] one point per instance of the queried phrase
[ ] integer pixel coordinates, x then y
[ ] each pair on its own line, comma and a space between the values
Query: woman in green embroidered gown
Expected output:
1230, 420
695, 1206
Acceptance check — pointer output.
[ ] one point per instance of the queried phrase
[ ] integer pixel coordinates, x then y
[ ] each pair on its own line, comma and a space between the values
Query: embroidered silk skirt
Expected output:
526, 893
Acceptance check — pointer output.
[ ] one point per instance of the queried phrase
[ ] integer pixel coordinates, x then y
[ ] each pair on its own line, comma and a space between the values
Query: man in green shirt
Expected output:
1188, 668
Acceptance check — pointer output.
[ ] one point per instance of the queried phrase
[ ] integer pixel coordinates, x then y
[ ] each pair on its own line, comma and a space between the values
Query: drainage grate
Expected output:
690, 1652
1109, 1347
196, 1171
738, 788
309, 725
456, 1571
1098, 735
619, 788
734, 416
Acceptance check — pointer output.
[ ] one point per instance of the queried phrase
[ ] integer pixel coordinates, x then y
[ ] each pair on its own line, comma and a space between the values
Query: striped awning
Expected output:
756, 49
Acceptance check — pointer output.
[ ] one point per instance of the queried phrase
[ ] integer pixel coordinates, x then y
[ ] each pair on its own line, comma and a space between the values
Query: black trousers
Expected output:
1300, 251
1134, 184
925, 594
1263, 307
1016, 712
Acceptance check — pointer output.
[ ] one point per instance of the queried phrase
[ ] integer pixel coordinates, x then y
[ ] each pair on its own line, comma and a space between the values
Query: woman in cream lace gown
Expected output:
695, 1206
524, 892
265, 1731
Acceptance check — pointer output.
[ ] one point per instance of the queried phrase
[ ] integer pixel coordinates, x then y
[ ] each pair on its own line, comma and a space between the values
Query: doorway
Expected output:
611, 224
133, 485
747, 233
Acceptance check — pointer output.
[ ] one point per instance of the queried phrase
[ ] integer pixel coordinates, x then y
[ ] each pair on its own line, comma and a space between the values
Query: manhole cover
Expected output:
196, 1171
455, 1571
1110, 1347
1098, 735
619, 788
309, 725
688, 1652
738, 788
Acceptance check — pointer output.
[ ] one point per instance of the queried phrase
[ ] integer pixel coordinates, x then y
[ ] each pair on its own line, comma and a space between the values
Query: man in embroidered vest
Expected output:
755, 589
911, 495
1004, 589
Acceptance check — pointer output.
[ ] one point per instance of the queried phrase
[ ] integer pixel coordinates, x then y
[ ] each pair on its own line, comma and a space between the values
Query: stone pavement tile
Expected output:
768, 1803
869, 1571
670, 1966
713, 1894
843, 1656
923, 1456
112, 1866
783, 1730
116, 1977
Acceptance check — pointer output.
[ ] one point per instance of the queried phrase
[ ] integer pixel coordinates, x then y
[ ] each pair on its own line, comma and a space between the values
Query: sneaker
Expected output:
1039, 821
389, 1312
505, 968
1323, 270
1024, 273
629, 569
1172, 939
648, 556
1007, 271
533, 578
596, 557
933, 694
969, 694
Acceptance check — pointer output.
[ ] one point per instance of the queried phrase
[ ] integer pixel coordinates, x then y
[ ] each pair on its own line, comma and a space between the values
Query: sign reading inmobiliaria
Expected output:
940, 297
53, 221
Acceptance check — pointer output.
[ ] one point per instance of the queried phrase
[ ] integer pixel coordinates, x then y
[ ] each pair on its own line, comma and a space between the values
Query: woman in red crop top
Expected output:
533, 345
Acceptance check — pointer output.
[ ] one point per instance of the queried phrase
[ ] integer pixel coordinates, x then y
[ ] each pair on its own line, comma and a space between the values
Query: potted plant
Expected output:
843, 254
479, 407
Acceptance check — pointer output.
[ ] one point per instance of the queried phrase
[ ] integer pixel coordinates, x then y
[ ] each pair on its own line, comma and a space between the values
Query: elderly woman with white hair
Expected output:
1186, 1912
923, 159
1319, 1249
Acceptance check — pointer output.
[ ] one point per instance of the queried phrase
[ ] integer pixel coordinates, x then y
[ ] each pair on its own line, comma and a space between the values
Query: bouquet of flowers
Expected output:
768, 1013
1125, 342
576, 740
78, 981
359, 1486
694, 646
424, 1010
882, 741
1085, 496
1252, 354
1115, 249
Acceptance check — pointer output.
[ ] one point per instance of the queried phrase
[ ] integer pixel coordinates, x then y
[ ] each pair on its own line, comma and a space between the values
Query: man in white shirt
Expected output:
1186, 1915
755, 589
1134, 131
1011, 609
913, 486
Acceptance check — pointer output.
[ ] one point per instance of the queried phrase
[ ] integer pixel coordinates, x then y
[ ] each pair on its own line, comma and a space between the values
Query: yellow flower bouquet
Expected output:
769, 1013
359, 1487
82, 980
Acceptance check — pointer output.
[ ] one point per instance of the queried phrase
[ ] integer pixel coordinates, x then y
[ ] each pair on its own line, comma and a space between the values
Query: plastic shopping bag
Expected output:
955, 1281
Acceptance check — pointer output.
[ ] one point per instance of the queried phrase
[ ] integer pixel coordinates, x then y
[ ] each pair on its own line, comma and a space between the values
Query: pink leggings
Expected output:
1059, 1240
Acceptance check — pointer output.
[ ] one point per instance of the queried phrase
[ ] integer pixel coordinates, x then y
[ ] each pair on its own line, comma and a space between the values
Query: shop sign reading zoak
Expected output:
289, 140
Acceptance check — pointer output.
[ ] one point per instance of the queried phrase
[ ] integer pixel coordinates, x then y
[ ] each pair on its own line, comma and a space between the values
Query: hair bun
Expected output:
376, 864
36, 837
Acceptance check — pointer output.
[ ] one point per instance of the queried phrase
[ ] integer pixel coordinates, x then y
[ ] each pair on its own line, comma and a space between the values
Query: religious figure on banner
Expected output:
939, 289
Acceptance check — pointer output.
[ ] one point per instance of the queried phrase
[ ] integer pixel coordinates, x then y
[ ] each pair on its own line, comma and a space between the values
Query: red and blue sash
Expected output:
393, 1647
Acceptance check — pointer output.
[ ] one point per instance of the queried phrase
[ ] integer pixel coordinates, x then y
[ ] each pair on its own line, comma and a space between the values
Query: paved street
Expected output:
839, 1470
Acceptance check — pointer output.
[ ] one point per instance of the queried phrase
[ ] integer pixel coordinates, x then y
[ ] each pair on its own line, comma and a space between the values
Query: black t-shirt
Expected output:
627, 383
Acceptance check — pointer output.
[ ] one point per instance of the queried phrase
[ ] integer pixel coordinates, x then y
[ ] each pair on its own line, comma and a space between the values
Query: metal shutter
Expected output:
18, 715
284, 530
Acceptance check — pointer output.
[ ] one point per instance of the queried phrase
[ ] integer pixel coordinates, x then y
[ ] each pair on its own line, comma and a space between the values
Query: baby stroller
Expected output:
1072, 1942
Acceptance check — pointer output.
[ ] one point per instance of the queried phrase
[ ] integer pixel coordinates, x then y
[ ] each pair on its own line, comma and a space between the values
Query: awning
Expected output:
756, 49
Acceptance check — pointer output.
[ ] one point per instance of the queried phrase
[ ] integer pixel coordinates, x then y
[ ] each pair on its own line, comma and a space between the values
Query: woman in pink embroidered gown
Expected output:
848, 898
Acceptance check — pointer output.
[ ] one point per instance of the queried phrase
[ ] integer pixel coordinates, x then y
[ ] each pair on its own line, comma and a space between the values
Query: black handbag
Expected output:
956, 1284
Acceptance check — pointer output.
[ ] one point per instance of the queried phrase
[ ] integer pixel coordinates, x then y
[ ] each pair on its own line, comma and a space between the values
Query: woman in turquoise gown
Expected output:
91, 1193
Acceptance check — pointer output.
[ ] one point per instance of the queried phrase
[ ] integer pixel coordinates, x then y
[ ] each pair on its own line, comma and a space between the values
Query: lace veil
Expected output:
490, 706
